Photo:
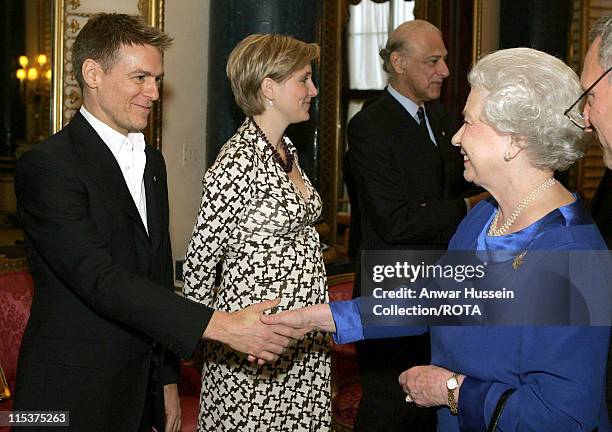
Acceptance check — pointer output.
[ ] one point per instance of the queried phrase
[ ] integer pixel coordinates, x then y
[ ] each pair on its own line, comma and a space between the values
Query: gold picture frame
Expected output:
69, 16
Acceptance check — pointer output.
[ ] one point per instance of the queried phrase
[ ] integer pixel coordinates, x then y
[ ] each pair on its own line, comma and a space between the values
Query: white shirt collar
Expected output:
129, 153
113, 139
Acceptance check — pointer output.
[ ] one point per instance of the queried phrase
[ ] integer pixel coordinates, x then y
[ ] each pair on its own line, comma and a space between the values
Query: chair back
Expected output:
16, 291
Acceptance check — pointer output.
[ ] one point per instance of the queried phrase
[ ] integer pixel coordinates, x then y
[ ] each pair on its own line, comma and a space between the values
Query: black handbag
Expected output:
498, 410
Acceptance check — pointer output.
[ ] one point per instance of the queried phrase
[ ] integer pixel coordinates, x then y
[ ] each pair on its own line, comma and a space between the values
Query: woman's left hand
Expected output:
426, 385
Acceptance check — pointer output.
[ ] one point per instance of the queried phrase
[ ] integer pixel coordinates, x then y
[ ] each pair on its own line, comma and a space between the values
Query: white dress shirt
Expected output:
129, 151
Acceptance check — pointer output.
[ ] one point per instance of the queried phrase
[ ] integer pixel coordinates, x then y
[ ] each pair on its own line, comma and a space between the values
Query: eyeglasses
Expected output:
577, 117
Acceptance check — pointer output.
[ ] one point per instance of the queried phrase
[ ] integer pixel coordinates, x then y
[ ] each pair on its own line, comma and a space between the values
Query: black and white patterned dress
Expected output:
255, 222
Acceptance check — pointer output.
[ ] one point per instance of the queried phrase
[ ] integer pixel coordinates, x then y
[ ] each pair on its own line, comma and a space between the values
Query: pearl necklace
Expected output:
495, 231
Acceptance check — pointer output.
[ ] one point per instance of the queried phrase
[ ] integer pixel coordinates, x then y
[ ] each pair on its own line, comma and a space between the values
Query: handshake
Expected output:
264, 337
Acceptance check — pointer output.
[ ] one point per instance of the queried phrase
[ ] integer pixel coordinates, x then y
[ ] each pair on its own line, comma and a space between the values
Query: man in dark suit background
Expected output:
410, 189
106, 329
596, 80
601, 207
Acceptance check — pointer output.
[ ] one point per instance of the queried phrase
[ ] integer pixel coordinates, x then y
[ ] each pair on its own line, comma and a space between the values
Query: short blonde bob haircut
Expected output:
261, 56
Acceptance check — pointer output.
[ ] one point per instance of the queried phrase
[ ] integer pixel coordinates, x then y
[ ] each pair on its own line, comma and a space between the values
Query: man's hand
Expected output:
172, 405
244, 331
426, 385
304, 320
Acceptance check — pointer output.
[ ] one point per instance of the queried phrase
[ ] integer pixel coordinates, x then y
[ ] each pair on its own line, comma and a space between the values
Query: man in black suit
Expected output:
596, 80
106, 329
410, 189
601, 207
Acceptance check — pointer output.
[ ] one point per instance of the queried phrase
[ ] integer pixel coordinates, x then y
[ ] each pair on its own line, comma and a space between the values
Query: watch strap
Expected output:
452, 403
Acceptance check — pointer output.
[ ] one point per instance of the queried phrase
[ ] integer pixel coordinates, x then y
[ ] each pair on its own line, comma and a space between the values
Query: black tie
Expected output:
423, 122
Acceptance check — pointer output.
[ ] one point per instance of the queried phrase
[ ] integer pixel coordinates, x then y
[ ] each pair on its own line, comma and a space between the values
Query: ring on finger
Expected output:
409, 398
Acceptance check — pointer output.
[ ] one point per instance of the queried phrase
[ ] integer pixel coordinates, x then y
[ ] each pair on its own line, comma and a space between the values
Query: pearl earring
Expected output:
507, 156
270, 102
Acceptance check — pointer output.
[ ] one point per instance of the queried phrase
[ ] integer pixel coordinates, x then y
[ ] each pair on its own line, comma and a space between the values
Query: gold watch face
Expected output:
452, 383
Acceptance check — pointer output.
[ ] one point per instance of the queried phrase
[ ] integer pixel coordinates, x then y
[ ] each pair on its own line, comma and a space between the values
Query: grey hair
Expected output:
385, 53
527, 93
603, 28
401, 40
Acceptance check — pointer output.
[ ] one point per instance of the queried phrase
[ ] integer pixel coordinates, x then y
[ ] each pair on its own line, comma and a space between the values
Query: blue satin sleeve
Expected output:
349, 327
348, 321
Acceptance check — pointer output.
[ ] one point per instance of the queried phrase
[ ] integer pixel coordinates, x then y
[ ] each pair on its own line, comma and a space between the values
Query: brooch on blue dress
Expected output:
518, 260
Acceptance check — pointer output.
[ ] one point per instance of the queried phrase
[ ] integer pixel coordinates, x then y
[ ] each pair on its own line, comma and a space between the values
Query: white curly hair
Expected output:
527, 92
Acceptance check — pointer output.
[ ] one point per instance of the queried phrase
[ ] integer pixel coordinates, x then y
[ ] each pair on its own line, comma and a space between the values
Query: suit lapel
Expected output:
451, 156
152, 188
401, 117
417, 153
603, 189
102, 166
440, 133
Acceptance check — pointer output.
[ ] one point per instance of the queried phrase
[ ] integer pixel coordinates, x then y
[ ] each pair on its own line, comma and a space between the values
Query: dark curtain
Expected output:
12, 111
539, 24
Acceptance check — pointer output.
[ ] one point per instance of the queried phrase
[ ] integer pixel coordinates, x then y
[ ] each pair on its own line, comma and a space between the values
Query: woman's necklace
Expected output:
286, 166
495, 231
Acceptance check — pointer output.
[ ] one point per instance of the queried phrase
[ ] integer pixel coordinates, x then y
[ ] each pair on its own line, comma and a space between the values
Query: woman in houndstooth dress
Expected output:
256, 220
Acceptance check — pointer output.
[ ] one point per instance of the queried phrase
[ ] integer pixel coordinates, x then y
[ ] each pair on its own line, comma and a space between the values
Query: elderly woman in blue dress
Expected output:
514, 137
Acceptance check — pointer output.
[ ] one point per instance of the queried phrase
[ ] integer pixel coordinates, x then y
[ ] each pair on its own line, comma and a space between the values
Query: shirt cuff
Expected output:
348, 321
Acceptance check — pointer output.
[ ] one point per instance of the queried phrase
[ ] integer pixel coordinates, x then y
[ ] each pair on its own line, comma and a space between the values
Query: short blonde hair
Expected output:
261, 56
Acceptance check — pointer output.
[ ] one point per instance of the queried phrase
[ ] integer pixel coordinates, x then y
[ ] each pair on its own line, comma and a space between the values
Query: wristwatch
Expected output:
451, 385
